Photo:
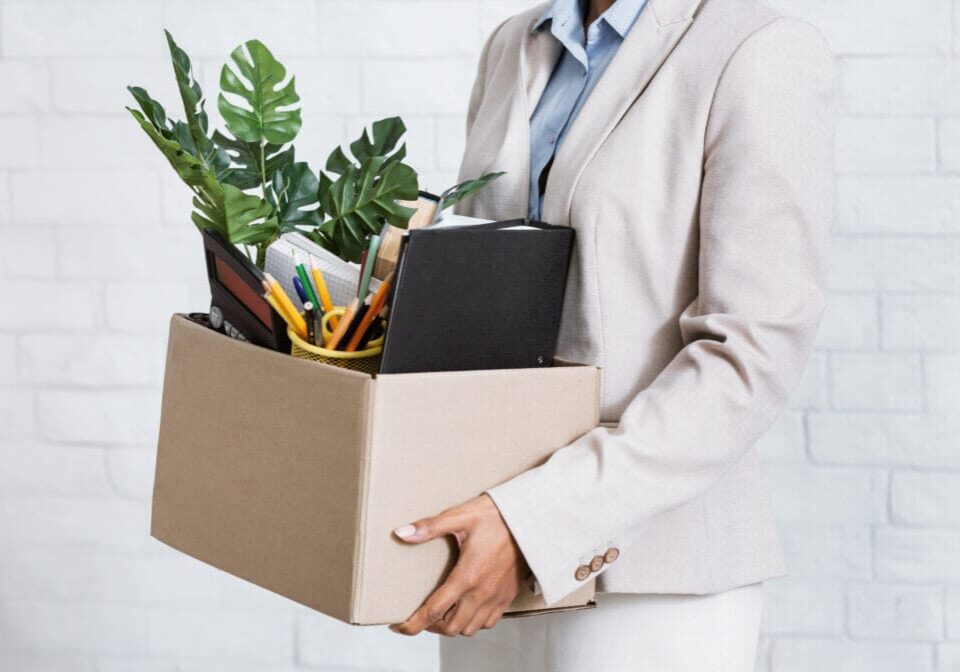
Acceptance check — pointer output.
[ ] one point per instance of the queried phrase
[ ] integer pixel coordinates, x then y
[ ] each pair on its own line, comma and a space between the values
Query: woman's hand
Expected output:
486, 578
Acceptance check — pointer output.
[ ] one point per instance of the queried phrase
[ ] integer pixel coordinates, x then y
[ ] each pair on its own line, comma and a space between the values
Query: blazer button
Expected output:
611, 555
596, 564
582, 573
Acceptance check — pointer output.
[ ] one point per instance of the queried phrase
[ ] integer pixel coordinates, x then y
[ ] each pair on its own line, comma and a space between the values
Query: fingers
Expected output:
450, 521
434, 609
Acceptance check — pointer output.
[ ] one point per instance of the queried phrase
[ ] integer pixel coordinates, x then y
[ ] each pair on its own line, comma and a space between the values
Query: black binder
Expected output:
485, 296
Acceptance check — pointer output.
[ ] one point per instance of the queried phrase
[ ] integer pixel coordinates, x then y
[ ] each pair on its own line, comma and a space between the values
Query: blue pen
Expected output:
297, 285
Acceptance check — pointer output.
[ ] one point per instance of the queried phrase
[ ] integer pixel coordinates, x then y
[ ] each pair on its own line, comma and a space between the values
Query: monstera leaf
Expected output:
386, 133
244, 170
361, 200
193, 135
239, 217
258, 82
153, 121
454, 195
294, 188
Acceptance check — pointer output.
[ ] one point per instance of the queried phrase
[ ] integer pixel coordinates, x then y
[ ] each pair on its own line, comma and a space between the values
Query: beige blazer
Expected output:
698, 178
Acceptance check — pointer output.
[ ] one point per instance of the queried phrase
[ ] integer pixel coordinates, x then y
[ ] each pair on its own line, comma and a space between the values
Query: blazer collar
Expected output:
653, 36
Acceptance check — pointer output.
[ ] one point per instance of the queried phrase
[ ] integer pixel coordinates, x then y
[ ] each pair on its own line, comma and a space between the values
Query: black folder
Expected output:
484, 296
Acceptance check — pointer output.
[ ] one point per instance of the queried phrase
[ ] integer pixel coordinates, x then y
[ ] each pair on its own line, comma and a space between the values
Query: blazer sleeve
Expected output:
764, 224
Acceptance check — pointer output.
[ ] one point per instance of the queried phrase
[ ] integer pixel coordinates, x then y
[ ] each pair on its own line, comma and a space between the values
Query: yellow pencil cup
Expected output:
365, 361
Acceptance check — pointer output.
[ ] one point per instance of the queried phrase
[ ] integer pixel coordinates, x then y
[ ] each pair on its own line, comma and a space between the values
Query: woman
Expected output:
689, 143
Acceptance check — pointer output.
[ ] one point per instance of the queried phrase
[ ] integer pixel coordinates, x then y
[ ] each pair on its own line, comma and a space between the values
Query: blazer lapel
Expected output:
648, 44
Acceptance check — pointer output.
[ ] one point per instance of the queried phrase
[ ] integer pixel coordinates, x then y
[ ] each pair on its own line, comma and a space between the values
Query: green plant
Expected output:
247, 185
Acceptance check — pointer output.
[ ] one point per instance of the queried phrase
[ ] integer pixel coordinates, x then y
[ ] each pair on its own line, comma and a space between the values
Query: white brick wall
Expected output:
864, 464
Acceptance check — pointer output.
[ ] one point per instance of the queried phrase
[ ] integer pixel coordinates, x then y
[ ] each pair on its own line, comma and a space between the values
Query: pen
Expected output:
309, 316
297, 285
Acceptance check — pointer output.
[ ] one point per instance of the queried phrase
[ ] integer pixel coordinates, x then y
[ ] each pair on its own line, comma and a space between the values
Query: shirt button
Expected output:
552, 139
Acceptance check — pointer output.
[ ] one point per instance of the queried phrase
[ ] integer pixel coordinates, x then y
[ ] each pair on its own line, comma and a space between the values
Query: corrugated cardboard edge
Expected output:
360, 537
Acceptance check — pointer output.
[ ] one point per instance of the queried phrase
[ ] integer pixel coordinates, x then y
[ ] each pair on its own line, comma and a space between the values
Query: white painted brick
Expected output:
28, 253
890, 205
25, 85
785, 440
8, 360
395, 86
826, 551
916, 555
904, 440
142, 306
45, 662
895, 264
220, 635
16, 413
4, 197
925, 498
849, 323
73, 524
77, 306
421, 34
97, 198
495, 12
99, 86
948, 143
214, 28
762, 663
942, 381
879, 145
34, 468
320, 135
99, 416
877, 26
811, 390
118, 253
94, 360
920, 322
19, 142
239, 595
804, 655
881, 611
451, 139
172, 578
948, 658
953, 612
881, 381
802, 607
207, 666
97, 142
91, 28
827, 494
897, 85
418, 138
135, 665
329, 86
131, 471
322, 641
83, 628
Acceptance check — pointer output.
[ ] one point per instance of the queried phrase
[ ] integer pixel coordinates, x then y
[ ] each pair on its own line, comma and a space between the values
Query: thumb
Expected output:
426, 529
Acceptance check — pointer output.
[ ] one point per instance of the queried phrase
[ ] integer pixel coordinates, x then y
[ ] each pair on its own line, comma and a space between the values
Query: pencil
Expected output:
344, 324
280, 311
375, 306
273, 287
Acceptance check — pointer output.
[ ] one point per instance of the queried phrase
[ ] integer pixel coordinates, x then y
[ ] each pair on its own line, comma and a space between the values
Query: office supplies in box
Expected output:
298, 492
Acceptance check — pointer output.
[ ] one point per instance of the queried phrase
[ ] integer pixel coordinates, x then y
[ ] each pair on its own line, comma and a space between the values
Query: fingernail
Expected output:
405, 532
395, 628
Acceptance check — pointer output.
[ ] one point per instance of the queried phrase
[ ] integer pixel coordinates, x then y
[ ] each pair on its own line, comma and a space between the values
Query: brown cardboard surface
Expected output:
441, 438
292, 474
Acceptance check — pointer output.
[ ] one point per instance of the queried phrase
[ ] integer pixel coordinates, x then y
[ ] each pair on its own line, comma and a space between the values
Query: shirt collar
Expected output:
620, 16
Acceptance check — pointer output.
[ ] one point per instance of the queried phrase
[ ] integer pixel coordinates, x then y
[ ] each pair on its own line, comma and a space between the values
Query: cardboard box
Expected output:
292, 474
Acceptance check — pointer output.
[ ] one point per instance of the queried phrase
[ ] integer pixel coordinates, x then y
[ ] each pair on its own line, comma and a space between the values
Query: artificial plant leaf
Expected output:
248, 218
187, 166
192, 97
244, 169
295, 187
386, 133
259, 83
151, 109
360, 200
455, 194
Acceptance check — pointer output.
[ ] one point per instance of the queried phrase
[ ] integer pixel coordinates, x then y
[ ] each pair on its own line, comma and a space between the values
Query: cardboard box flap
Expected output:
484, 430
223, 498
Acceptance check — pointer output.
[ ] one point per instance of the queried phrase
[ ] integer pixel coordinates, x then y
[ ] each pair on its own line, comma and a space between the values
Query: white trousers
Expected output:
624, 633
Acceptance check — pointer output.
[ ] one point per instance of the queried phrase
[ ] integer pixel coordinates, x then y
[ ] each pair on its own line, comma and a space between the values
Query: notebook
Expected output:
481, 296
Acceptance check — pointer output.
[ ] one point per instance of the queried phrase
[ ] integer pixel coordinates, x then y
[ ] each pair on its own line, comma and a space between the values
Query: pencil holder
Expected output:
365, 361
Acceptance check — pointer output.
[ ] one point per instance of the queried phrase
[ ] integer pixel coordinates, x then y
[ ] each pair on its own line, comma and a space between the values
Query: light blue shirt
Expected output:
576, 73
